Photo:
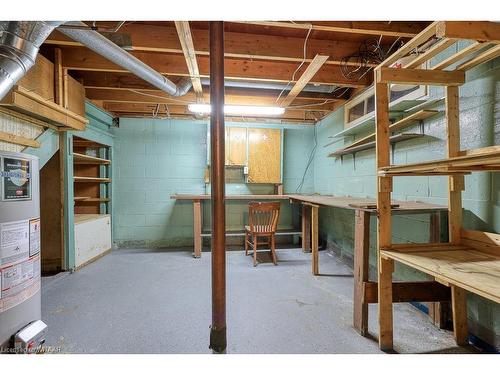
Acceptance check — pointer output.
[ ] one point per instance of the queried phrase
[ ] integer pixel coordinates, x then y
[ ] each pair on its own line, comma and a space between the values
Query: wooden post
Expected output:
314, 239
384, 231
218, 341
361, 268
306, 228
59, 77
197, 228
455, 187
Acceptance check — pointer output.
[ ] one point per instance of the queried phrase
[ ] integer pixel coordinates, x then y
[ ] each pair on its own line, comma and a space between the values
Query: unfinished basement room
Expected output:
252, 185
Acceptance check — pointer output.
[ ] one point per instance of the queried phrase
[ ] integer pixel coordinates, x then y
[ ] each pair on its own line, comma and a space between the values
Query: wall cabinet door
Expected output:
236, 146
264, 156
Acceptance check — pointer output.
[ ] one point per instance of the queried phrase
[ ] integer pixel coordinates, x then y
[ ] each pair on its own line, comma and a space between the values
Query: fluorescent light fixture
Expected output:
239, 110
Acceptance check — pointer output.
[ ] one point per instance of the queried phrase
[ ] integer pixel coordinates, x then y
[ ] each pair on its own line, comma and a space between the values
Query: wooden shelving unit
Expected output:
366, 146
470, 261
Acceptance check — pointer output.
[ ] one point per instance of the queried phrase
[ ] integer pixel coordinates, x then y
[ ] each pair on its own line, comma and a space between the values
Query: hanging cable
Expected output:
309, 161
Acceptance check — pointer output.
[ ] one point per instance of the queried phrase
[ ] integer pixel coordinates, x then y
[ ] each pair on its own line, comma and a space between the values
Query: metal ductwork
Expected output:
21, 40
19, 44
109, 50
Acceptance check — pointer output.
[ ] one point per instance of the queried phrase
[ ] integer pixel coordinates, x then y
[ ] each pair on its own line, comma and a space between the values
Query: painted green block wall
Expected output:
480, 127
154, 159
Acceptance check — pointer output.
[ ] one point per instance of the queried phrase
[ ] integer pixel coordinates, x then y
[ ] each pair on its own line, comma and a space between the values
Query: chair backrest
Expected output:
263, 217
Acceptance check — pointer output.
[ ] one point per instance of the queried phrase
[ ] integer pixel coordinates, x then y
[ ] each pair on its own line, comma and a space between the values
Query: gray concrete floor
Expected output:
158, 301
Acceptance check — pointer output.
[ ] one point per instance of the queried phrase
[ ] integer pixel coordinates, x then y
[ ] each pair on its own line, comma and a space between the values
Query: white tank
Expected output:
19, 243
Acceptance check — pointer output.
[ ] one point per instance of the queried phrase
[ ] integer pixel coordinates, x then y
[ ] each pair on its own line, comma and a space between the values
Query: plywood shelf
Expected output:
91, 179
471, 269
486, 159
87, 159
394, 139
91, 199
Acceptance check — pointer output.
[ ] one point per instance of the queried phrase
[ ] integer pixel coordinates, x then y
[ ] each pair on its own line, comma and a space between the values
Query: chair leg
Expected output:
254, 251
273, 251
246, 243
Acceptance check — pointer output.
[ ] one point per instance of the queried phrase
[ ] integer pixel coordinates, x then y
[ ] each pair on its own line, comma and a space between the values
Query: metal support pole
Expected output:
218, 341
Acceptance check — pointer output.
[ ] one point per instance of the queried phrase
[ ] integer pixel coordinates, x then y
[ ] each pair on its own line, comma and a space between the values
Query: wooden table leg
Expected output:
459, 307
361, 268
314, 239
306, 228
197, 228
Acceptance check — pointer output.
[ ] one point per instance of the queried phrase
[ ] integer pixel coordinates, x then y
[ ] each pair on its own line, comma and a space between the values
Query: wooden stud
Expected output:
187, 44
306, 228
384, 217
419, 76
361, 269
459, 308
59, 77
197, 214
314, 239
304, 79
430, 53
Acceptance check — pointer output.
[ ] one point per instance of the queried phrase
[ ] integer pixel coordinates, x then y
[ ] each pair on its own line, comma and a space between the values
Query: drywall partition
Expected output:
155, 158
355, 176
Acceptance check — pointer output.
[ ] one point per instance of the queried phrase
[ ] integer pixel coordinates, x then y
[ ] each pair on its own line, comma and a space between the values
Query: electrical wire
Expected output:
309, 161
304, 58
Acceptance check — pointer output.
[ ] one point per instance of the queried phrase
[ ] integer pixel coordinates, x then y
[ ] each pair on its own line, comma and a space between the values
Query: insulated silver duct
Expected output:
19, 44
109, 50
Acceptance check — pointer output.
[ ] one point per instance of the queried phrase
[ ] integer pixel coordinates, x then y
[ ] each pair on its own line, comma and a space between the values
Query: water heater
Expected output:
20, 296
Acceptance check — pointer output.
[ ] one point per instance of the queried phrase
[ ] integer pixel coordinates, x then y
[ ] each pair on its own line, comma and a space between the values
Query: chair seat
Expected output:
257, 231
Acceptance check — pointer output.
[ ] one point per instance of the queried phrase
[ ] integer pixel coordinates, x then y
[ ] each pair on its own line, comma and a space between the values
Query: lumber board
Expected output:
91, 179
470, 269
430, 53
419, 76
365, 146
305, 78
459, 55
230, 197
483, 57
416, 291
483, 31
87, 159
18, 140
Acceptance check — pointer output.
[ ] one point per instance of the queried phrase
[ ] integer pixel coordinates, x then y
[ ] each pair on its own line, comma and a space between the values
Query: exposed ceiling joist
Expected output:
187, 44
304, 79
175, 65
165, 39
354, 27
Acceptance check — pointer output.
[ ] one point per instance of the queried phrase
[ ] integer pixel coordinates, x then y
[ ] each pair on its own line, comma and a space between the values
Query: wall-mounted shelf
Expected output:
90, 199
365, 146
87, 159
91, 179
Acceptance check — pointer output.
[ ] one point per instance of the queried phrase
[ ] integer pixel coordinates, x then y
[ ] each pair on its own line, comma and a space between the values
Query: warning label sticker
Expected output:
19, 282
34, 237
14, 242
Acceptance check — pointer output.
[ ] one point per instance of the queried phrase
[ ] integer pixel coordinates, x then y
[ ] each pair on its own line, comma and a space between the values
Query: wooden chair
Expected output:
262, 219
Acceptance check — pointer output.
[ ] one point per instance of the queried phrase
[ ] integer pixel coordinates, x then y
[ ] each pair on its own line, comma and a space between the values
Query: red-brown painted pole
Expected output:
218, 341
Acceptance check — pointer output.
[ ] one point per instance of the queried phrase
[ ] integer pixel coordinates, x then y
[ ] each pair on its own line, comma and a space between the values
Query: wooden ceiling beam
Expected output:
304, 79
174, 65
150, 96
164, 39
482, 31
186, 41
392, 29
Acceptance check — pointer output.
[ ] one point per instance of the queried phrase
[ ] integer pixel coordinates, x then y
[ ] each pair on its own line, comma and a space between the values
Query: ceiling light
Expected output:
239, 110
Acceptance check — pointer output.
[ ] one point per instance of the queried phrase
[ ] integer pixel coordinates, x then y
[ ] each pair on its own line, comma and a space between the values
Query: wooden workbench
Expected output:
365, 291
197, 210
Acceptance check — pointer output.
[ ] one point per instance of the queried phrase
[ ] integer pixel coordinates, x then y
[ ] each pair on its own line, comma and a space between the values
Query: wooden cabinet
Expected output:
236, 146
264, 155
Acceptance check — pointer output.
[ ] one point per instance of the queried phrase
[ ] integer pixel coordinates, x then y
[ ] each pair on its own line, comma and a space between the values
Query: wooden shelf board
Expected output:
87, 159
91, 179
90, 199
81, 218
80, 198
487, 160
365, 146
468, 268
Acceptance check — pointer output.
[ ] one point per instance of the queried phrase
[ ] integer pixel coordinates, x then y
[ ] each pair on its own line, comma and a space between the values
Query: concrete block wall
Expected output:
480, 124
154, 159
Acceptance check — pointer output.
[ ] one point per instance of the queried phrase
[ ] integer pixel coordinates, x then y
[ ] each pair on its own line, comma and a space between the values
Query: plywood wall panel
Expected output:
236, 146
264, 155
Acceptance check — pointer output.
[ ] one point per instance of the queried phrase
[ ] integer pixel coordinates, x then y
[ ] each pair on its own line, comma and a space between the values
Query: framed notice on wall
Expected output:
16, 179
